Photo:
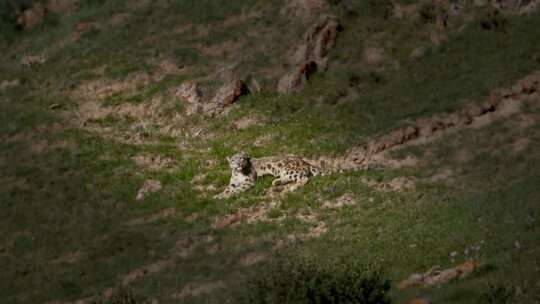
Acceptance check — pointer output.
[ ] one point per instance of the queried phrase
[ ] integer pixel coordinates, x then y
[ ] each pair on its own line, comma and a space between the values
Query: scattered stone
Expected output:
303, 9
435, 276
190, 94
225, 96
311, 56
402, 183
153, 162
31, 17
418, 52
252, 119
149, 186
373, 55
263, 140
347, 199
248, 215
30, 61
84, 27
8, 84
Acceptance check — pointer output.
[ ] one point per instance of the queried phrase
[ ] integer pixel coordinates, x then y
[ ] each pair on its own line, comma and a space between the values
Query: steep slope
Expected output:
431, 108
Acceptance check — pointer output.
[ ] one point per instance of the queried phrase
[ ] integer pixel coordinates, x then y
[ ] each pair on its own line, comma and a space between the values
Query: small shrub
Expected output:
493, 21
186, 56
300, 280
496, 294
7, 20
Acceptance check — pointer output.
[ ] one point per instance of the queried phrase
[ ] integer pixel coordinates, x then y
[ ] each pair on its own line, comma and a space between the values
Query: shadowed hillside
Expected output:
409, 130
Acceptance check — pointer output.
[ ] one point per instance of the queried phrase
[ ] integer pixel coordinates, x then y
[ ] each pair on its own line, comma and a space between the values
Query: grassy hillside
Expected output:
83, 130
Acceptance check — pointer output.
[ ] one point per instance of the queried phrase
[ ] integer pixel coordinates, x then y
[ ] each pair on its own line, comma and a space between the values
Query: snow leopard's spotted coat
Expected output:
287, 170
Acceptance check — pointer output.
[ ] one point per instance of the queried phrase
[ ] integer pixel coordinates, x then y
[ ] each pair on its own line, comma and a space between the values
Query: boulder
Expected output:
226, 95
294, 81
30, 17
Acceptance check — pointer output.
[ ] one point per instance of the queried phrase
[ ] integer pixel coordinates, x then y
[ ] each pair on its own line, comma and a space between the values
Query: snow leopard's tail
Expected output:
325, 169
321, 171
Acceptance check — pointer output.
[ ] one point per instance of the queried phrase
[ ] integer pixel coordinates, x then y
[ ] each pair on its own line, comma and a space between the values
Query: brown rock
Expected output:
31, 17
226, 95
294, 81
311, 55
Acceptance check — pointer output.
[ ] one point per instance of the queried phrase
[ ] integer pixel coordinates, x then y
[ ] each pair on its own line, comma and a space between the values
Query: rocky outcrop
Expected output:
501, 103
312, 55
226, 95
435, 276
